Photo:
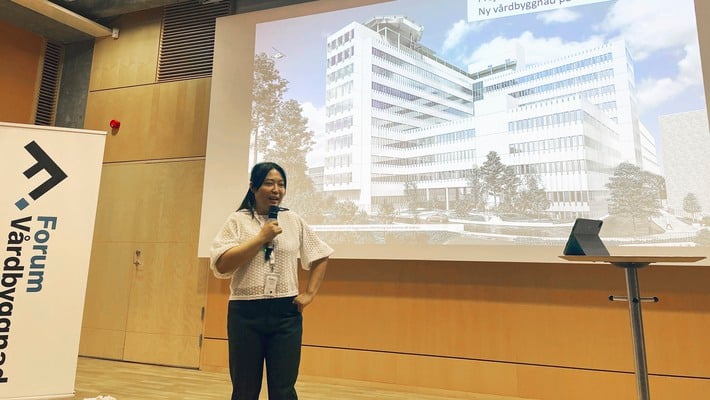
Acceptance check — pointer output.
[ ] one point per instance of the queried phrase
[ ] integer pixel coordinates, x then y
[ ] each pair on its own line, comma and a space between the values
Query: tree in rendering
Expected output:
280, 134
633, 193
494, 176
533, 199
411, 194
268, 89
287, 142
510, 190
691, 205
478, 195
386, 212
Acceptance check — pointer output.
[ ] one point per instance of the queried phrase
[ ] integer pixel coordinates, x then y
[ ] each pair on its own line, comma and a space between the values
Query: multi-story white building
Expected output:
397, 114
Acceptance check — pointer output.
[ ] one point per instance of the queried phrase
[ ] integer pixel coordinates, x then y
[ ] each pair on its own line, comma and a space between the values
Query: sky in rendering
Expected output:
661, 36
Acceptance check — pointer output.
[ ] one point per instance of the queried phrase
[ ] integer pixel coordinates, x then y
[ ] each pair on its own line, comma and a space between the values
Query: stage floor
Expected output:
125, 380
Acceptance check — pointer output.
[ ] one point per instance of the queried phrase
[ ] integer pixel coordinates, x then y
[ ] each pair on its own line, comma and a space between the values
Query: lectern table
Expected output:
631, 264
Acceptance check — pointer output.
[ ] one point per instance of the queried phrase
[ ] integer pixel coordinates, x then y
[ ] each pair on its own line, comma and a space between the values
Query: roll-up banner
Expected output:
49, 180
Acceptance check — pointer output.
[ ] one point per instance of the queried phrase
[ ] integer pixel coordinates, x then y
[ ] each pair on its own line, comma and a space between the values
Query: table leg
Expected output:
632, 288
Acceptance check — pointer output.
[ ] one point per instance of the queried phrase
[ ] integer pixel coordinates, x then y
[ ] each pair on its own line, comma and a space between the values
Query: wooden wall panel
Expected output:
102, 343
150, 202
22, 54
109, 284
158, 121
525, 381
216, 306
147, 207
678, 387
541, 314
164, 349
674, 327
474, 376
495, 316
106, 301
180, 315
132, 59
500, 312
215, 356
167, 295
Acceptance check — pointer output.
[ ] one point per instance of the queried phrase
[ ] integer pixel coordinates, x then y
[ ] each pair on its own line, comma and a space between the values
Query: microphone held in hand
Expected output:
273, 216
274, 212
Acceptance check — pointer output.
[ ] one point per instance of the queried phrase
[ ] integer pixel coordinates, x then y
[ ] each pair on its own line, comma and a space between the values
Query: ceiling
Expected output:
103, 12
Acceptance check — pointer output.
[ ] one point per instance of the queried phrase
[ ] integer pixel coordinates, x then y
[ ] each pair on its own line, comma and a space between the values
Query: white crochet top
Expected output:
296, 241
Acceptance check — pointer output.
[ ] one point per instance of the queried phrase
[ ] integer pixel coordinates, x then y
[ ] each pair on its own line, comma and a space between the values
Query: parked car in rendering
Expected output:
432, 217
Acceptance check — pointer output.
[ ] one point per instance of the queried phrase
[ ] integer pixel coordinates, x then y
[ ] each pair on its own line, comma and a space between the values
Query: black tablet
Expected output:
584, 239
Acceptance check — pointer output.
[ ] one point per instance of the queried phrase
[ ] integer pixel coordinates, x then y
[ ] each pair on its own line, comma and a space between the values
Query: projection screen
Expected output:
467, 130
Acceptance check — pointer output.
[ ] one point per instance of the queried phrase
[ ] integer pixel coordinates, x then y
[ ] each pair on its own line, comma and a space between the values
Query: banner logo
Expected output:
21, 241
44, 163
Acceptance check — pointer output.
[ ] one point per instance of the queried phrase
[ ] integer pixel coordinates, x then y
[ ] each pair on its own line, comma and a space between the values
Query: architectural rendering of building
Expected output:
400, 118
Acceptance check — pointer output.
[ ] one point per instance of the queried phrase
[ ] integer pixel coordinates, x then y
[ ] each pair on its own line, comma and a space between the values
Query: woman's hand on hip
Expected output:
302, 300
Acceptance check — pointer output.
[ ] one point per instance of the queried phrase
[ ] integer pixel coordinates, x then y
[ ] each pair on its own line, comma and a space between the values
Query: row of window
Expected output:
588, 94
378, 87
556, 198
338, 179
598, 91
341, 40
411, 83
608, 107
339, 107
450, 137
341, 56
570, 142
559, 143
561, 167
544, 121
340, 123
571, 82
340, 142
339, 91
405, 112
551, 72
555, 167
563, 118
590, 121
570, 196
339, 161
418, 71
340, 73
411, 98
423, 177
385, 124
441, 158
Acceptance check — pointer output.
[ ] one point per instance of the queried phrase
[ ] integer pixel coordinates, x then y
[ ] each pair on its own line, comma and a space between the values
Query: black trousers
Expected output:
264, 330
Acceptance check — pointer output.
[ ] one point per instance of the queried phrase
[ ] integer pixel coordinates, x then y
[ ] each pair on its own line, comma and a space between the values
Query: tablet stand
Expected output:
631, 264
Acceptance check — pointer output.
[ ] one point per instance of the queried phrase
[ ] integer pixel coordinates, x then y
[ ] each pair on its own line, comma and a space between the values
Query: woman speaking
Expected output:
258, 249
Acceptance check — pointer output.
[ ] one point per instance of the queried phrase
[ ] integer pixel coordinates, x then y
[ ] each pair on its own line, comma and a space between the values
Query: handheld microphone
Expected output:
273, 216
